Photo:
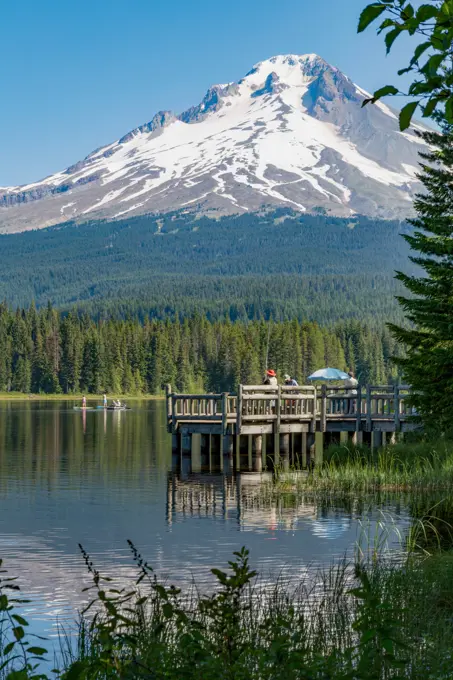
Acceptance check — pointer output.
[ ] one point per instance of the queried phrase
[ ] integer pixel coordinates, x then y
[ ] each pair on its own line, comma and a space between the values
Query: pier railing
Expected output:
269, 405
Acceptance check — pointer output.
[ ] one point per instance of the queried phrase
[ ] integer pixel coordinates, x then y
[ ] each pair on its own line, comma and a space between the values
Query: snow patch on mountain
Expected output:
291, 132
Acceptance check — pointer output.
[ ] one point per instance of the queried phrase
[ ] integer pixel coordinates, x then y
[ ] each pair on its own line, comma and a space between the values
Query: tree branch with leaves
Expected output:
432, 60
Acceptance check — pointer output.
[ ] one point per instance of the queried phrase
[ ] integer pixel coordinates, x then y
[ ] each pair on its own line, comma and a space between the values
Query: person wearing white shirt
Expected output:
350, 384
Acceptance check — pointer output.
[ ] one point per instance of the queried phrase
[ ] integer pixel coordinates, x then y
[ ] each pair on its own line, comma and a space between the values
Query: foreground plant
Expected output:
20, 659
377, 620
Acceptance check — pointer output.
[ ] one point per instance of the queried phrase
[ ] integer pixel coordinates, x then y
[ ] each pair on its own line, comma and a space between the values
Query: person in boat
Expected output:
84, 401
105, 400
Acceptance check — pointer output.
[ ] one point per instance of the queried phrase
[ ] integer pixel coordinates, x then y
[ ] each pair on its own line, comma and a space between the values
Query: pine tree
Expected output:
428, 364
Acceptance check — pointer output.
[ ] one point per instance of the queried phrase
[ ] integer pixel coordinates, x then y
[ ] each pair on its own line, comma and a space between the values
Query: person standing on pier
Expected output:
350, 385
271, 379
291, 382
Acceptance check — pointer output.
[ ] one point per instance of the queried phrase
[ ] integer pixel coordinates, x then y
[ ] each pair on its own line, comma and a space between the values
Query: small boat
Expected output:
112, 407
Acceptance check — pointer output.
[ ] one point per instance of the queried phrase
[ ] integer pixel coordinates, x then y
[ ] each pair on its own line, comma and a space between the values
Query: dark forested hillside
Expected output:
251, 266
44, 351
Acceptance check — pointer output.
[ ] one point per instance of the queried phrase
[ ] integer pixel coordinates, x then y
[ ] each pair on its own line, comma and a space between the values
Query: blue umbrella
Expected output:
328, 374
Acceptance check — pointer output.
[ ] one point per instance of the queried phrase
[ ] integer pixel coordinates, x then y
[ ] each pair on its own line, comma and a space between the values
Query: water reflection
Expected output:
99, 478
248, 501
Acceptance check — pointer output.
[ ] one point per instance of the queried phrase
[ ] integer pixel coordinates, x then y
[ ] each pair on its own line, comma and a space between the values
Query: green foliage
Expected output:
373, 621
20, 657
42, 351
428, 365
432, 23
279, 265
425, 465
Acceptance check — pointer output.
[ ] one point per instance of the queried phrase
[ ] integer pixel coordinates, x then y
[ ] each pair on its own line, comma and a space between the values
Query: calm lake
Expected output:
99, 478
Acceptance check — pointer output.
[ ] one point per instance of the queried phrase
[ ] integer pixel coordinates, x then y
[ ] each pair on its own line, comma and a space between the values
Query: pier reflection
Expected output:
248, 501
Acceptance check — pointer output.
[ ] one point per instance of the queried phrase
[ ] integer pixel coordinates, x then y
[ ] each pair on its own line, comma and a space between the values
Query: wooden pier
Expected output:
284, 423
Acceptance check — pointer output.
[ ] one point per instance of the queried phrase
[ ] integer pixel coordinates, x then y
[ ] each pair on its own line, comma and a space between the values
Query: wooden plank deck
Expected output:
262, 409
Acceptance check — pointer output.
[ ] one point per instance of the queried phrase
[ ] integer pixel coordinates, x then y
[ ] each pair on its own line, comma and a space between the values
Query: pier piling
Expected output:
257, 453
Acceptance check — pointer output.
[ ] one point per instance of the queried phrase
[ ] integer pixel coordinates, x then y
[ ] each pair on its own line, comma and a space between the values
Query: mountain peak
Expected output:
293, 60
291, 69
291, 132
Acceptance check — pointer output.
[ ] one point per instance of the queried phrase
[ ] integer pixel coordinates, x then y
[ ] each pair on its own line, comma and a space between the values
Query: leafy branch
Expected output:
432, 59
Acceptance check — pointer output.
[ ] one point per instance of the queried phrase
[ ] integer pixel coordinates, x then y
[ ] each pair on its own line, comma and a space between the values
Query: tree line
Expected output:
276, 264
44, 351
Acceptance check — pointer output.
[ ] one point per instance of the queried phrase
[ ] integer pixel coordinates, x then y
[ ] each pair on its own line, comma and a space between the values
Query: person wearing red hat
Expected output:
270, 378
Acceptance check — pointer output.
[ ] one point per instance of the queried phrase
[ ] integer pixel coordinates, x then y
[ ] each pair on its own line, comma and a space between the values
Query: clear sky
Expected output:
79, 74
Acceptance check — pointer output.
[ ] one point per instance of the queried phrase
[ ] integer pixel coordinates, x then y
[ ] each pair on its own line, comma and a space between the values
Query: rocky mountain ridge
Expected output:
291, 132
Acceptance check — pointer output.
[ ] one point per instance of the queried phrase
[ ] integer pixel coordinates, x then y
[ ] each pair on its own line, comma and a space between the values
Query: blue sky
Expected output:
77, 75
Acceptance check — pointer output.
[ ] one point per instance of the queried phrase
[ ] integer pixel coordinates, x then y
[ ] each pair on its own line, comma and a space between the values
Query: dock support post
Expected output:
257, 453
196, 452
376, 440
319, 449
323, 408
284, 450
169, 407
269, 450
186, 454
353, 438
304, 450
175, 451
278, 407
228, 449
237, 446
366, 438
296, 450
204, 453
311, 449
397, 407
215, 452
368, 409
242, 453
186, 444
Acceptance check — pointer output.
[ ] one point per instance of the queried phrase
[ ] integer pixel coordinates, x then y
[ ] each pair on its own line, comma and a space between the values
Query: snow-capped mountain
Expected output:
291, 132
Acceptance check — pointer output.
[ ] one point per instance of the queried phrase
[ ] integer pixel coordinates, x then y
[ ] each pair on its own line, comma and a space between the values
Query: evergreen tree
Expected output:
5, 349
350, 355
428, 364
44, 351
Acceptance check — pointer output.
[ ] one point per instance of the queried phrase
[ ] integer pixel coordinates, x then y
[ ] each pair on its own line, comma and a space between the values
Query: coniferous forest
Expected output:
271, 265
182, 299
43, 351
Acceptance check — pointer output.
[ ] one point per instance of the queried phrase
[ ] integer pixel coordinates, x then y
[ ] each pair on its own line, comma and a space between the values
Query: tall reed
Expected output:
426, 466
373, 618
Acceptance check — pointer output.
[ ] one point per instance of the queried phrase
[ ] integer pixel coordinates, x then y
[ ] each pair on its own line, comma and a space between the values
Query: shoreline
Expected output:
20, 396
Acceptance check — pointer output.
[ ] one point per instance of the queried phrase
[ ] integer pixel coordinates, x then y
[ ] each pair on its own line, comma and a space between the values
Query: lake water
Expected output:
100, 478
